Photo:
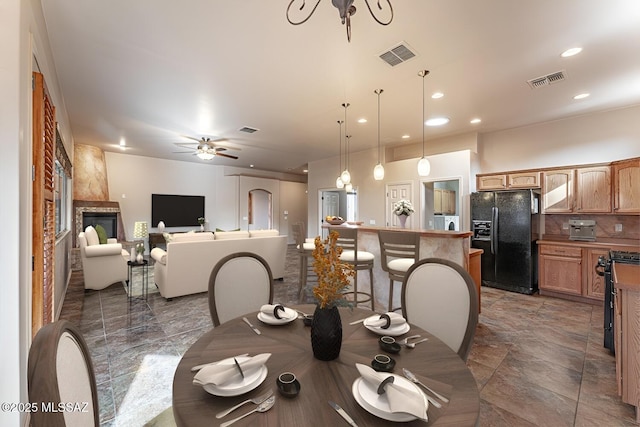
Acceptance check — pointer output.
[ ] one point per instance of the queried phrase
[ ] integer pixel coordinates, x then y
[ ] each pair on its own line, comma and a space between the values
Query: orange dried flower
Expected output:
333, 274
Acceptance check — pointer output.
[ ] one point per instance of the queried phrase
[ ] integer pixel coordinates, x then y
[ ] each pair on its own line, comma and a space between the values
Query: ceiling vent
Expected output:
397, 54
247, 129
549, 79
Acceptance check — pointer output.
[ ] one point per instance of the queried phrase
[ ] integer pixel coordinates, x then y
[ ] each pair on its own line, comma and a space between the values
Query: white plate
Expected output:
238, 386
289, 315
392, 331
377, 404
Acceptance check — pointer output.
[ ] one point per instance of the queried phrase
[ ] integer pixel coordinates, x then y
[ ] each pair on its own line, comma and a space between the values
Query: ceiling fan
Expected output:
206, 148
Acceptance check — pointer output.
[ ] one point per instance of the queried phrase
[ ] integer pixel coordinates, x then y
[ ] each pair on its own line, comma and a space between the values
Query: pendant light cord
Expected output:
423, 74
378, 92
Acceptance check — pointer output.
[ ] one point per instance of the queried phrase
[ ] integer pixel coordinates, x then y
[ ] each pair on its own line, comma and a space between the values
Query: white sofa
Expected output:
103, 264
184, 268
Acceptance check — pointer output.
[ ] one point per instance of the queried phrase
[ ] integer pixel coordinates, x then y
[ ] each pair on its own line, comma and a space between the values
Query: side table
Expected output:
144, 265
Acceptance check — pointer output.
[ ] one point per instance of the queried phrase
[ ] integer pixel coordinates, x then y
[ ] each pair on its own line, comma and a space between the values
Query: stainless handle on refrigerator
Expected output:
494, 230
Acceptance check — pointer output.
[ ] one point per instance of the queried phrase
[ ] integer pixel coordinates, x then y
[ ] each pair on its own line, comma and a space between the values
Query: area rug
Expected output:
136, 282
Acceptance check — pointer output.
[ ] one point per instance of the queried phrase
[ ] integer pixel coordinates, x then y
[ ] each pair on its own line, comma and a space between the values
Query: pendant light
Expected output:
424, 167
346, 176
378, 170
349, 185
339, 183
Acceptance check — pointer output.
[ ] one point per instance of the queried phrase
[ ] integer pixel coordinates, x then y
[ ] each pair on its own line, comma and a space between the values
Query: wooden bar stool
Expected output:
305, 252
399, 250
360, 260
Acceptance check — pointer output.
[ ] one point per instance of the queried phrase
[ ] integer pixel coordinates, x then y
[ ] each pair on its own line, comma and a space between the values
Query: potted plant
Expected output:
333, 280
201, 221
403, 208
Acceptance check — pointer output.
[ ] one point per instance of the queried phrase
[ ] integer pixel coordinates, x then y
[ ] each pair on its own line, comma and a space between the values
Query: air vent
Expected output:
248, 129
549, 79
397, 54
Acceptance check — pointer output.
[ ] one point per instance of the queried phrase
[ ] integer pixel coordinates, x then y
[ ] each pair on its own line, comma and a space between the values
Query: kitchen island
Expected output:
450, 245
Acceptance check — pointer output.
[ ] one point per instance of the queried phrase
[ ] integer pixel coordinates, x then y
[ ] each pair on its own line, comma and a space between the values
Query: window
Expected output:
61, 193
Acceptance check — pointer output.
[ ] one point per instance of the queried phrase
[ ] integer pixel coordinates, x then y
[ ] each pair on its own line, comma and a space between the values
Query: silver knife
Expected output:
343, 414
250, 325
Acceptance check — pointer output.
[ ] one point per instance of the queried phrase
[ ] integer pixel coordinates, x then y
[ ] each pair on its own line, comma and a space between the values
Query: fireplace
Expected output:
105, 213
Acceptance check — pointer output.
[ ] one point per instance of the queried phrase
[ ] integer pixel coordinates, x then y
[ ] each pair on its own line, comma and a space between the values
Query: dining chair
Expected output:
305, 249
60, 372
441, 297
360, 260
399, 250
239, 283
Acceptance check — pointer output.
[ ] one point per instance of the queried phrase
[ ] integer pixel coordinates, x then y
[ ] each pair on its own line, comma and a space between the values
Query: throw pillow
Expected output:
92, 236
102, 234
167, 237
220, 230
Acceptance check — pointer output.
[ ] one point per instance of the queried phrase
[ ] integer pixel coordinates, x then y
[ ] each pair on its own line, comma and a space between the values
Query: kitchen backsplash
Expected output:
605, 225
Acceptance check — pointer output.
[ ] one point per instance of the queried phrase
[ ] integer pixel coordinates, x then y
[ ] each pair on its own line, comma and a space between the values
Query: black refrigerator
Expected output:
505, 225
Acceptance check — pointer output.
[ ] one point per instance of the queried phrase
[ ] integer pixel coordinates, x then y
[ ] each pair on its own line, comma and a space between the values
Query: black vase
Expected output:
326, 333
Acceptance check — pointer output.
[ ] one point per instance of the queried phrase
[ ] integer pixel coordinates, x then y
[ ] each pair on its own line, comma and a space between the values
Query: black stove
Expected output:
603, 268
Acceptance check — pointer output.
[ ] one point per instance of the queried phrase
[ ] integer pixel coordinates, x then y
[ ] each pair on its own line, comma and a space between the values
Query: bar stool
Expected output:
360, 260
305, 249
399, 250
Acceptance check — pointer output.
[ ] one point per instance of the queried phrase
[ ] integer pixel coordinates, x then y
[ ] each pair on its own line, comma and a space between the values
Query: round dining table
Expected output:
433, 362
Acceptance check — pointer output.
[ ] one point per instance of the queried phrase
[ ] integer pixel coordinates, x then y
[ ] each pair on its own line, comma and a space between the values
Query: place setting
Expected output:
276, 314
390, 324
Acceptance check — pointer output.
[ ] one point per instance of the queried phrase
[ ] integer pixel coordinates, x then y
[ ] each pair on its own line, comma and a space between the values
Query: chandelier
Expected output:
346, 9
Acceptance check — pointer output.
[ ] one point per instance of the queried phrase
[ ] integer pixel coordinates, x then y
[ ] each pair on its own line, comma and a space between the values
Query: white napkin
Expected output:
394, 318
219, 374
400, 399
268, 309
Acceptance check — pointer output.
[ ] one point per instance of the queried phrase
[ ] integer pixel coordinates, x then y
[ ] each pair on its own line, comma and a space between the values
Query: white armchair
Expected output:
104, 264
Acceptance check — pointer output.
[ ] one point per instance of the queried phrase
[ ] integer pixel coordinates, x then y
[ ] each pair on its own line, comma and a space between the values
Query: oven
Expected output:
603, 268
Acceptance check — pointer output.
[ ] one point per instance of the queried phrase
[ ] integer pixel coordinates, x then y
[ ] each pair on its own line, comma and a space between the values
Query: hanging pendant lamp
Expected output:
378, 170
346, 176
339, 183
424, 167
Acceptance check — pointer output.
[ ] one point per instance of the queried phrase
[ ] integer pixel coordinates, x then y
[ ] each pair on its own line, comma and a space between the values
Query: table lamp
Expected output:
140, 230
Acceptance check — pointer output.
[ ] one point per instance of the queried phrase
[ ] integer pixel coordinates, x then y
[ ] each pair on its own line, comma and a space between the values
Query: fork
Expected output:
257, 400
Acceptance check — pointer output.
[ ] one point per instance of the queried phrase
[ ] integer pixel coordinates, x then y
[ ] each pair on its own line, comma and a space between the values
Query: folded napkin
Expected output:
274, 310
218, 374
387, 320
400, 399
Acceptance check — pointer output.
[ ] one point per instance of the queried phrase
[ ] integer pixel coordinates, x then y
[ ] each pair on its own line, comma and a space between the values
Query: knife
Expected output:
343, 414
251, 326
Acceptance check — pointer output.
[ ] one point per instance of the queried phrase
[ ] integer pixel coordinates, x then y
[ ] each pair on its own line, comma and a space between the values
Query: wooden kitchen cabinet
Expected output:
557, 191
560, 269
626, 187
444, 201
491, 182
524, 180
594, 282
505, 181
593, 190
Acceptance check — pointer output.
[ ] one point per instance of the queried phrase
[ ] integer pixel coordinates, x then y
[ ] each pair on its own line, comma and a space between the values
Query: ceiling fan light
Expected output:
346, 177
339, 183
205, 155
378, 172
424, 167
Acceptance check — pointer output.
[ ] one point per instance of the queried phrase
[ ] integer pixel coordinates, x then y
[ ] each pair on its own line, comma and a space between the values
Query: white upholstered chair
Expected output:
239, 283
103, 264
441, 297
60, 370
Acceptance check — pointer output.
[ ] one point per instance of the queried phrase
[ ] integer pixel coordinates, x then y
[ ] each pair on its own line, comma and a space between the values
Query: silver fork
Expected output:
257, 400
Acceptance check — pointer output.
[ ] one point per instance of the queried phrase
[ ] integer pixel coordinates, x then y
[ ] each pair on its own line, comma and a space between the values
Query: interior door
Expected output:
330, 206
396, 192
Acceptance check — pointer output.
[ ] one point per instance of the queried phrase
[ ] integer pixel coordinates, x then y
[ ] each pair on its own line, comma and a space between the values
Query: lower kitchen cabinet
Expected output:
560, 269
595, 282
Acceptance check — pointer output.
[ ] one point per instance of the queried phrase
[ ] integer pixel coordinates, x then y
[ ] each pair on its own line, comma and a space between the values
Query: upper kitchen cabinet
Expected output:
593, 190
626, 186
444, 201
506, 181
557, 191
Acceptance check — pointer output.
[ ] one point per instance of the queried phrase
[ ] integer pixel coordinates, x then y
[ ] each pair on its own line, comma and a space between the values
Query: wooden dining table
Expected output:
433, 362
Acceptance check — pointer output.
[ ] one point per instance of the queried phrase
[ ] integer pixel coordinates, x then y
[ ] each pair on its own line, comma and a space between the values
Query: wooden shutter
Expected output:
43, 215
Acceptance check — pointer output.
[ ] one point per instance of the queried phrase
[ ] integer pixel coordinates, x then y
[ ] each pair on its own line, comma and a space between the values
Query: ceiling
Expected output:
154, 71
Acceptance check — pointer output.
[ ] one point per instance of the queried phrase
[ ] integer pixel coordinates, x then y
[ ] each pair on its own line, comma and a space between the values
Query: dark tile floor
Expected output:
537, 361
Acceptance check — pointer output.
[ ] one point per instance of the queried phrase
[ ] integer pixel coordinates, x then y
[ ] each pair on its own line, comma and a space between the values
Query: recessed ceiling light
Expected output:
570, 52
437, 121
406, 136
581, 96
250, 166
305, 170
437, 95
363, 120
475, 121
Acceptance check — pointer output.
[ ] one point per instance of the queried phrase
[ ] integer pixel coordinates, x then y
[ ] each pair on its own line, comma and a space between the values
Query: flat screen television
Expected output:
176, 210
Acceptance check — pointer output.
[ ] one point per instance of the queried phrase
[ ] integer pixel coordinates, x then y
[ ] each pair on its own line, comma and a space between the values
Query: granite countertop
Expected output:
598, 243
426, 233
626, 276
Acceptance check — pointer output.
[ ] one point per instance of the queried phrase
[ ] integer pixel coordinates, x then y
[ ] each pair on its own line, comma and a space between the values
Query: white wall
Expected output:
593, 138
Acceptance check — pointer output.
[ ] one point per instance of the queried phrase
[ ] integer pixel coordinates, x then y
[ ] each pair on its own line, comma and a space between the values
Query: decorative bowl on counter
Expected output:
355, 222
335, 221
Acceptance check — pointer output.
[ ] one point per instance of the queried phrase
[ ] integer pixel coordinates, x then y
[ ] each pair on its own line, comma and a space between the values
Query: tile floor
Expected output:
538, 361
